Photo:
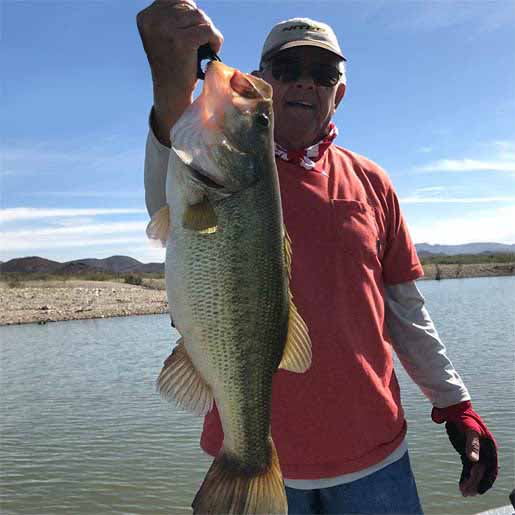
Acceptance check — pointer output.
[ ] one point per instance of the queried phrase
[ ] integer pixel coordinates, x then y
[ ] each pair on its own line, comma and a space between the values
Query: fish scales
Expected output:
230, 277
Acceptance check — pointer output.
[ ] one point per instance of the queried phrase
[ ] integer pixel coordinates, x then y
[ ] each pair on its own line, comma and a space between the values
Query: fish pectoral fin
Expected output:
179, 380
200, 217
297, 350
159, 226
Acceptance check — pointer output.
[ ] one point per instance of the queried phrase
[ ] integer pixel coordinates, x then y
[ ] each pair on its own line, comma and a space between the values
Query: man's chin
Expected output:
296, 136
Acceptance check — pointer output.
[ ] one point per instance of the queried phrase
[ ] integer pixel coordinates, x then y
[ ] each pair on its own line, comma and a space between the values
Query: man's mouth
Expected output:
300, 104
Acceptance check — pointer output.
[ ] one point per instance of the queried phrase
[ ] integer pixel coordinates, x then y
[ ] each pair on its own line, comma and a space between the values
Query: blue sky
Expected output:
430, 97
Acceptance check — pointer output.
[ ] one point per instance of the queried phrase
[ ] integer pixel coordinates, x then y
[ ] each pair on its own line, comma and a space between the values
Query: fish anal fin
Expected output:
200, 217
233, 487
159, 226
297, 350
180, 381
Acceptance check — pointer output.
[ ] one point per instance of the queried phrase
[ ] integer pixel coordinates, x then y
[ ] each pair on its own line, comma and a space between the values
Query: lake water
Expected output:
83, 431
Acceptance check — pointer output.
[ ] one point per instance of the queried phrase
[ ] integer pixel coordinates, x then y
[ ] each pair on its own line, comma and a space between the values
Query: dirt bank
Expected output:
44, 301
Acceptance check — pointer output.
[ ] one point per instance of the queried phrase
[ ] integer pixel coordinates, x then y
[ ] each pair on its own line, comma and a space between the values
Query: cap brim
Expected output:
294, 44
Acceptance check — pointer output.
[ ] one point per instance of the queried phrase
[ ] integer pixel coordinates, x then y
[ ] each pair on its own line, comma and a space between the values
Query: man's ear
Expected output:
340, 93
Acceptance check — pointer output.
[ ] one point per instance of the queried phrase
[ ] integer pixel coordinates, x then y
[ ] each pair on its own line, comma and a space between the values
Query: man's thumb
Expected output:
472, 446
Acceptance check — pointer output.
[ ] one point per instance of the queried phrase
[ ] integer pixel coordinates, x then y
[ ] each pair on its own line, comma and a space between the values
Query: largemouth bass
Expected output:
227, 270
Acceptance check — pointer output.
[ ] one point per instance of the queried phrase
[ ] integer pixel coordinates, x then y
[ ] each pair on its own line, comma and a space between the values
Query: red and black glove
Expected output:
459, 419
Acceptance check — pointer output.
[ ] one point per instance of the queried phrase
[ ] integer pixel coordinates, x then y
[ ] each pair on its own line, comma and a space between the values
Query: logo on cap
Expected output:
303, 27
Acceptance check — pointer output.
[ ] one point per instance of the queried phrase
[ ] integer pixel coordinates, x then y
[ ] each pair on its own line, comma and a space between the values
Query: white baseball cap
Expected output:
300, 32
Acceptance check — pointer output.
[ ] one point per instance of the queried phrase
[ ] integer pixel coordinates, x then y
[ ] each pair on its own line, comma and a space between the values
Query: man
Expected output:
339, 428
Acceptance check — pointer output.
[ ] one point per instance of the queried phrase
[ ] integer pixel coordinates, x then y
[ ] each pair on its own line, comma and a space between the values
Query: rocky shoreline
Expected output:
52, 301
42, 302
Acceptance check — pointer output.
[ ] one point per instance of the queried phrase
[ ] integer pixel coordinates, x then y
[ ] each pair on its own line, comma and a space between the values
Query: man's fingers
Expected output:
472, 446
216, 40
176, 23
165, 3
191, 19
469, 487
199, 35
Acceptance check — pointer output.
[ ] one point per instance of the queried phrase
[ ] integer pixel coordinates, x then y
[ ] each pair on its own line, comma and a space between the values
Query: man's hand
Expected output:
469, 487
171, 32
474, 443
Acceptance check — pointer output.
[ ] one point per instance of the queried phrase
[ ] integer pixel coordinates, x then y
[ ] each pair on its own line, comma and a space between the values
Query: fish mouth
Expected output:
207, 181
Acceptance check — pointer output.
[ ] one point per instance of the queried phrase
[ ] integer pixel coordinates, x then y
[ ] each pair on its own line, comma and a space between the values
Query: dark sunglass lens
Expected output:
326, 76
286, 71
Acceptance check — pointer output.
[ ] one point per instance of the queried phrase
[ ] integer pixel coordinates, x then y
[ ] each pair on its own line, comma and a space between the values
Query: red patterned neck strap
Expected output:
307, 157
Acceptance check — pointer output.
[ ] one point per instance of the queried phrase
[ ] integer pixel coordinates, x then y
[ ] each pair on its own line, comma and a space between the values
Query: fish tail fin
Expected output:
231, 487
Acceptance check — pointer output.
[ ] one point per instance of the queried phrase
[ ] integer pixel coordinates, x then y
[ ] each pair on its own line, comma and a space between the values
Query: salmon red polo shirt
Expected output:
349, 239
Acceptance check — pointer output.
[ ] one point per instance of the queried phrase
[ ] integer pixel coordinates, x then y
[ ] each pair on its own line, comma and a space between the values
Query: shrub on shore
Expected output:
133, 279
468, 259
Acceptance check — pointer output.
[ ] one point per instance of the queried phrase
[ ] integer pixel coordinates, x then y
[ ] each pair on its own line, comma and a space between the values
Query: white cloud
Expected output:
415, 199
431, 189
468, 165
78, 230
38, 231
500, 158
44, 243
46, 157
34, 213
90, 194
487, 225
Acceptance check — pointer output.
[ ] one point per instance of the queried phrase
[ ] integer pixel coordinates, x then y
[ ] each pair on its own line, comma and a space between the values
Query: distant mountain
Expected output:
426, 249
152, 268
30, 264
76, 268
113, 264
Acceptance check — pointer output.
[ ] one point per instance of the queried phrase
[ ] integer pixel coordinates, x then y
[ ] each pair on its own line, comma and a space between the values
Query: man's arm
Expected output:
419, 348
171, 32
156, 167
423, 355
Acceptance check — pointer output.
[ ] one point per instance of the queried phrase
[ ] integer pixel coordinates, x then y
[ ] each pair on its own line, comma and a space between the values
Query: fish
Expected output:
227, 268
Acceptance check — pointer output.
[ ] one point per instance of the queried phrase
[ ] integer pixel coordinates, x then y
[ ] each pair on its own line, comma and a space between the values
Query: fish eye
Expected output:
262, 119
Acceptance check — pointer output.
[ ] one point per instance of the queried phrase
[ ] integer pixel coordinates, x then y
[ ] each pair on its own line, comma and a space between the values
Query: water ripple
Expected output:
84, 432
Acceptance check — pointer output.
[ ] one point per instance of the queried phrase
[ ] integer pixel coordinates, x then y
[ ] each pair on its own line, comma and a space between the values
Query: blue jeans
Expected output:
391, 490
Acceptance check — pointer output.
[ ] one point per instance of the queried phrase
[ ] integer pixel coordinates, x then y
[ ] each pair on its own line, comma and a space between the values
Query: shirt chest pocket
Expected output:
355, 230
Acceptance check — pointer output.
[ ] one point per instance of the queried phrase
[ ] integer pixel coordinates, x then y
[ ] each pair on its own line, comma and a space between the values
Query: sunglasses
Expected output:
290, 71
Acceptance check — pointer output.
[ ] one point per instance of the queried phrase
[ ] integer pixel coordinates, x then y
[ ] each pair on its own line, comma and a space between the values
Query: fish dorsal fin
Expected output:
159, 226
297, 350
180, 381
200, 217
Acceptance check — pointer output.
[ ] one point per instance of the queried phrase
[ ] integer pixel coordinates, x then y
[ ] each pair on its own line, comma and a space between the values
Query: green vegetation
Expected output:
468, 259
17, 279
14, 281
137, 280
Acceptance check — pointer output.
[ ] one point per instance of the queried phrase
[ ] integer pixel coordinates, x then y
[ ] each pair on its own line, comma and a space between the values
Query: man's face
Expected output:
303, 108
